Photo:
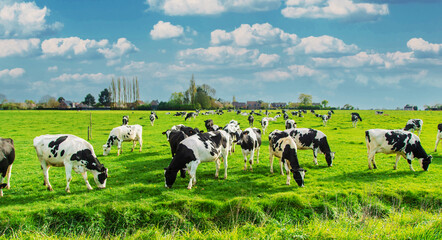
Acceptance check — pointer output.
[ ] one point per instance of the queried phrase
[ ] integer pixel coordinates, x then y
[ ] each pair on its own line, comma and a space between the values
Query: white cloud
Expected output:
424, 48
52, 69
266, 60
334, 9
301, 70
12, 73
247, 35
18, 47
221, 54
24, 19
118, 50
70, 47
364, 59
322, 45
77, 77
210, 7
276, 75
164, 30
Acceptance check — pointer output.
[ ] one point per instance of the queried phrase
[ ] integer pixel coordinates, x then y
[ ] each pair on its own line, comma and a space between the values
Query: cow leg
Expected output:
45, 169
257, 155
315, 156
271, 161
84, 175
119, 148
409, 158
217, 168
287, 171
252, 155
398, 156
8, 177
1, 183
420, 129
140, 141
371, 159
280, 165
68, 170
192, 173
225, 155
437, 142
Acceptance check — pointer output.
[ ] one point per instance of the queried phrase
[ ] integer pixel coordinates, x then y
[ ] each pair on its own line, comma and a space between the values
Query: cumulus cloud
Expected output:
334, 9
267, 59
301, 70
18, 47
210, 7
221, 55
276, 75
12, 73
247, 35
322, 45
364, 59
52, 69
24, 19
423, 48
77, 77
164, 30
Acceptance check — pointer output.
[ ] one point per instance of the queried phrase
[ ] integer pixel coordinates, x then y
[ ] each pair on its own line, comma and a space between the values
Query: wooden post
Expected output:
88, 133
90, 125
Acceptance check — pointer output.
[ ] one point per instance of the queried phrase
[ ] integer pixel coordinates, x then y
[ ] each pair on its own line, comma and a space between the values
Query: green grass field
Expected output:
346, 201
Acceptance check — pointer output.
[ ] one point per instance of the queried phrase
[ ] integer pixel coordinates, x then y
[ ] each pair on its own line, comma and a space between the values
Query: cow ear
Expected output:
163, 133
239, 123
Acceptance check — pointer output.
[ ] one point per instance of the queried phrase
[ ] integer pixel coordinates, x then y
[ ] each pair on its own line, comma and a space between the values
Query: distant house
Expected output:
278, 105
64, 105
408, 107
238, 105
253, 105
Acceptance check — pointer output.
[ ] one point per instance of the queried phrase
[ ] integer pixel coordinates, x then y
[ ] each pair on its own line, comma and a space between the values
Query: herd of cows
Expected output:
191, 146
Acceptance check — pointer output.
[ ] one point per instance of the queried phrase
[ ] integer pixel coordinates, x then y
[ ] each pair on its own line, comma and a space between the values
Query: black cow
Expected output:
251, 120
190, 115
176, 136
438, 136
250, 140
125, 120
7, 157
414, 124
355, 118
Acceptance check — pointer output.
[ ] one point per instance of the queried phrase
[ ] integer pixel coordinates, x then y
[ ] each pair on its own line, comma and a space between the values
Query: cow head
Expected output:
170, 176
100, 176
112, 140
298, 175
425, 162
329, 158
106, 149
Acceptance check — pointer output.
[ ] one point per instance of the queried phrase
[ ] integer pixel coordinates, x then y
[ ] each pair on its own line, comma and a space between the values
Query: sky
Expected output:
367, 53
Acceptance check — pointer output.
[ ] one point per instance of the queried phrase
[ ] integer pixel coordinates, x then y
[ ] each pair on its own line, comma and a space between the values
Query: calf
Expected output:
438, 136
282, 146
264, 124
414, 124
152, 117
127, 133
289, 123
202, 147
251, 120
233, 129
125, 120
250, 140
355, 118
307, 138
73, 153
399, 142
7, 157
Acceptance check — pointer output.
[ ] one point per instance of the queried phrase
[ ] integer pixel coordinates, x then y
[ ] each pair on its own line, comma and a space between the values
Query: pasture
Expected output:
346, 201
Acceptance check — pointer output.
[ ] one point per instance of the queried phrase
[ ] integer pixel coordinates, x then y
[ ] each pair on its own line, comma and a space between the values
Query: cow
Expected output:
233, 129
307, 138
286, 116
152, 117
289, 123
251, 120
414, 124
73, 153
202, 147
250, 140
399, 142
274, 118
176, 136
324, 118
379, 112
125, 120
438, 136
209, 124
190, 115
264, 124
355, 118
7, 157
282, 146
118, 135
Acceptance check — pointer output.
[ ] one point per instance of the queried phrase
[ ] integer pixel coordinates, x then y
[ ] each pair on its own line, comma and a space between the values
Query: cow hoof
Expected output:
68, 190
189, 188
8, 186
50, 189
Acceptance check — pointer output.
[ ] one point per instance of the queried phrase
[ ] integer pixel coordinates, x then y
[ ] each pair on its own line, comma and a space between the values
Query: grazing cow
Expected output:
264, 124
379, 112
125, 120
209, 124
176, 136
331, 112
313, 111
286, 116
152, 117
233, 129
191, 114
414, 124
274, 118
399, 142
250, 140
251, 120
282, 146
355, 118
7, 157
118, 135
202, 147
295, 113
289, 123
307, 138
438, 136
73, 153
324, 118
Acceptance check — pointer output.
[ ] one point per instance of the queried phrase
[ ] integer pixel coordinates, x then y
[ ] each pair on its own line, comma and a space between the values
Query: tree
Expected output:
2, 98
324, 103
348, 107
305, 99
89, 100
202, 98
60, 99
234, 99
177, 98
192, 90
105, 97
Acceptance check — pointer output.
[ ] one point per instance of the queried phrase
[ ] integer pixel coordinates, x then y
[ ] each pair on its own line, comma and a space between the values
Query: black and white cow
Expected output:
7, 157
399, 142
282, 146
233, 129
264, 124
274, 118
73, 153
250, 140
355, 118
286, 116
152, 117
438, 136
324, 118
289, 123
209, 125
125, 120
379, 112
190, 115
127, 133
251, 120
202, 147
414, 124
307, 138
176, 136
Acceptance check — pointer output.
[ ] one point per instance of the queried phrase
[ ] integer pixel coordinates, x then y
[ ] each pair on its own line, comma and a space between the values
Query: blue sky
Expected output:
370, 53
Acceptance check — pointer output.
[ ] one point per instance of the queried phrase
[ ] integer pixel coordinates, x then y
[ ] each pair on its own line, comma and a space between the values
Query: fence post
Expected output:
90, 124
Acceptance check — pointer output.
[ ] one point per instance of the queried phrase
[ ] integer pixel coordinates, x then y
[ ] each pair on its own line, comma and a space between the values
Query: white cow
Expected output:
73, 153
264, 124
290, 123
414, 124
250, 140
438, 136
126, 133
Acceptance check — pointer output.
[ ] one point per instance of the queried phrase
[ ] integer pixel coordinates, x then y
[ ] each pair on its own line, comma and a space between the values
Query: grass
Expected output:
346, 201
